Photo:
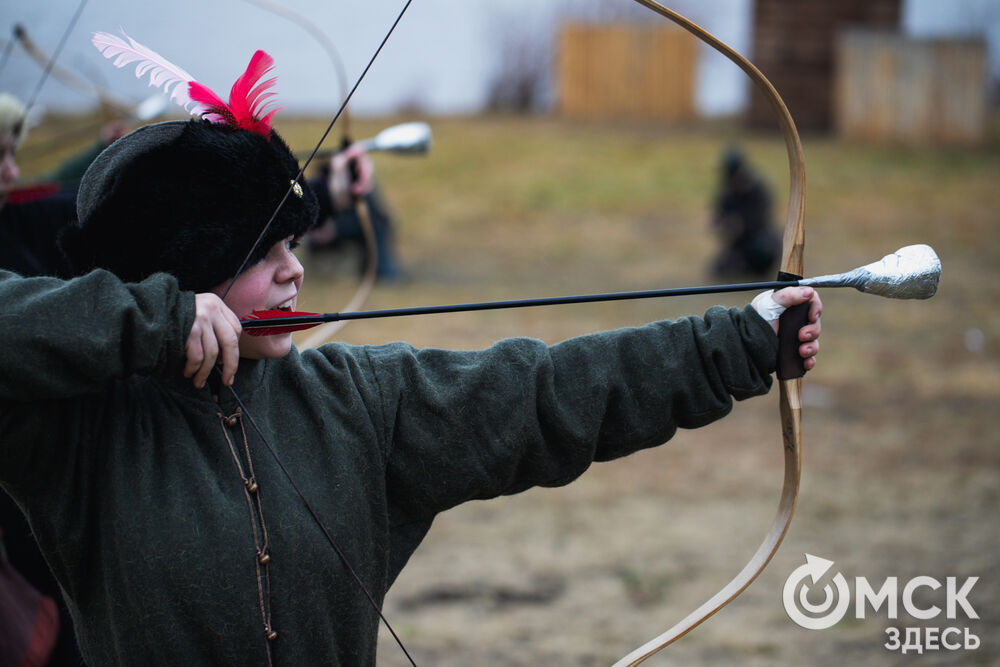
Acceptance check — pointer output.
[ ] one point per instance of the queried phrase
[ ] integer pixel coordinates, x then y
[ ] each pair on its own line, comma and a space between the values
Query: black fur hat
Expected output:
188, 198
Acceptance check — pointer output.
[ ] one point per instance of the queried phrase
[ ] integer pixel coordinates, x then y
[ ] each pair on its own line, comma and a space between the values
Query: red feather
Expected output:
273, 331
247, 98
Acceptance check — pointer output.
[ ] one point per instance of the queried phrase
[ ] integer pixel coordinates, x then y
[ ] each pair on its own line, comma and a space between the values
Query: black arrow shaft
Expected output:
515, 303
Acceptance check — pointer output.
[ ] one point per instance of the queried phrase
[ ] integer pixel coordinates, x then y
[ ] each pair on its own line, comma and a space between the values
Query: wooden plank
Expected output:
897, 89
625, 71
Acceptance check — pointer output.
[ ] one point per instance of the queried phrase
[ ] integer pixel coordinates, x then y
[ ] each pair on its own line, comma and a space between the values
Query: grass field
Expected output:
902, 456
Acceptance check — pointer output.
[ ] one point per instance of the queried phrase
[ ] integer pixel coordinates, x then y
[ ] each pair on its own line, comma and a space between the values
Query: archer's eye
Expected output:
292, 243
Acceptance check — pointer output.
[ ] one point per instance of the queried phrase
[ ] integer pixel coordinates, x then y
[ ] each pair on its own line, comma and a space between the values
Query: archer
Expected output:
159, 489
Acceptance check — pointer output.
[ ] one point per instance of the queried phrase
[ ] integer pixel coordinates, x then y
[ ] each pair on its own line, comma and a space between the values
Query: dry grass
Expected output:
902, 456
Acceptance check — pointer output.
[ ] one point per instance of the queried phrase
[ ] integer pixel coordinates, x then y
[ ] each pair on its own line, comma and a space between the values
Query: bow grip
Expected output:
790, 364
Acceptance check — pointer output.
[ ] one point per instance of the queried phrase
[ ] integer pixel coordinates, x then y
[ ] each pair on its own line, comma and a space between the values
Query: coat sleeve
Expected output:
466, 425
68, 338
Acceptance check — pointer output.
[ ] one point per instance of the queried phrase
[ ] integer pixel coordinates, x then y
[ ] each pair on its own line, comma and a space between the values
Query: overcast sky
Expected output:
440, 58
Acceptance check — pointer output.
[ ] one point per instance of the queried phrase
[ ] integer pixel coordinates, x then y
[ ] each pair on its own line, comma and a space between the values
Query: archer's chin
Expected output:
265, 347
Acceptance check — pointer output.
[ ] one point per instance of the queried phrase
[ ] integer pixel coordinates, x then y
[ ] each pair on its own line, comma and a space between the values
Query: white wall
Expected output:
440, 58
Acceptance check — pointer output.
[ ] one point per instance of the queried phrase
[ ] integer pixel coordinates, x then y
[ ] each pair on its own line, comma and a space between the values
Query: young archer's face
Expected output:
272, 283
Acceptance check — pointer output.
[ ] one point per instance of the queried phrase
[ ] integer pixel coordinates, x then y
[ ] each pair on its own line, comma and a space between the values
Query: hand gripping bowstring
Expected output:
789, 376
250, 419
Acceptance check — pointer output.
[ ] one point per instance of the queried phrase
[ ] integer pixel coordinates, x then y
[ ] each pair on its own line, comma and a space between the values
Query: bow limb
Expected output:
324, 41
48, 63
790, 390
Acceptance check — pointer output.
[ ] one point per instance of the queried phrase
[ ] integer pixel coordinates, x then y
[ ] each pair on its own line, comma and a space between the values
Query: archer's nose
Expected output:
291, 268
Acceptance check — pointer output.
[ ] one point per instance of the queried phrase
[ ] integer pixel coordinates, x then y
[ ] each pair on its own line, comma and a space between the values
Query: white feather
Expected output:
162, 73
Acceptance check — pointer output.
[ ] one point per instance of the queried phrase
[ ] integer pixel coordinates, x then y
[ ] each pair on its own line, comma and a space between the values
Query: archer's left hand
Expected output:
771, 304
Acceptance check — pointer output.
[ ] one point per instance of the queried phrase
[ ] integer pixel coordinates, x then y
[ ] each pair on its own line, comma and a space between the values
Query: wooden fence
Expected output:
898, 89
625, 71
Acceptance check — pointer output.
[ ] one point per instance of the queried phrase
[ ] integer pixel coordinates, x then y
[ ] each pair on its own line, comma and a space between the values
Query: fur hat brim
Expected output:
189, 198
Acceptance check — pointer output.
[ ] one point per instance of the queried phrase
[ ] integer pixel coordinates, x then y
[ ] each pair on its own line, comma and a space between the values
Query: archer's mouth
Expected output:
286, 306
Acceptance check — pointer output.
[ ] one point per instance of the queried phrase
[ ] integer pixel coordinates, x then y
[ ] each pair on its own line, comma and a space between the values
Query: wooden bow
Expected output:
791, 389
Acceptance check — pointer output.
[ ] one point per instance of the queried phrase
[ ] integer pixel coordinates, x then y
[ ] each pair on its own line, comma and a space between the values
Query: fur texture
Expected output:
187, 198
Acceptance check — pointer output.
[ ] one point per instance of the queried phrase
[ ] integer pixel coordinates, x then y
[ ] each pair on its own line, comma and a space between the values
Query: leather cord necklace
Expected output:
251, 491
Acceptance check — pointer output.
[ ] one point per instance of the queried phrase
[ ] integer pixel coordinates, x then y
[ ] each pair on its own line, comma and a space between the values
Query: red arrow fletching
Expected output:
281, 329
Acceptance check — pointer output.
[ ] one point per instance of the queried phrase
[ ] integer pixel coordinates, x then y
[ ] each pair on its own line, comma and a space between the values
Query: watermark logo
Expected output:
795, 595
819, 578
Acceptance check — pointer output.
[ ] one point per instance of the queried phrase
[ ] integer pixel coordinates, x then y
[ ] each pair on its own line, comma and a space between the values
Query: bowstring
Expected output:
55, 54
291, 188
326, 533
7, 49
322, 527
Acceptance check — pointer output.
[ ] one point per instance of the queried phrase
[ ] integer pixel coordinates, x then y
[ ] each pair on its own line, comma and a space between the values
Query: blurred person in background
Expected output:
741, 219
336, 186
32, 214
28, 230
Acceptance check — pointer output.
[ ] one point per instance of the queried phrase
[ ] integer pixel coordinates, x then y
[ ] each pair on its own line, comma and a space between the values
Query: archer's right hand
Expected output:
214, 338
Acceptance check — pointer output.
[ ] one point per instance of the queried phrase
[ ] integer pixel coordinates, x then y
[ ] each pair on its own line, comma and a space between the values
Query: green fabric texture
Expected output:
124, 472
